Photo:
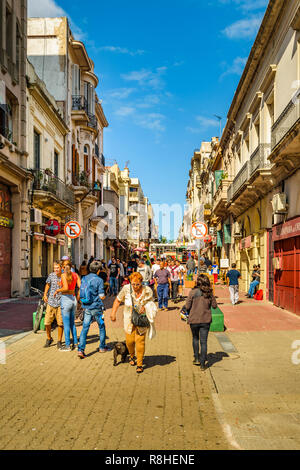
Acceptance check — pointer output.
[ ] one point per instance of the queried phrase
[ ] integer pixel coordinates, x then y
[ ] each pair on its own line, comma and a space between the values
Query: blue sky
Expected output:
166, 67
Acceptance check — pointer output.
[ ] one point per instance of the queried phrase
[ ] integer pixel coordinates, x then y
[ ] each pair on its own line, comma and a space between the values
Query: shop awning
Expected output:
39, 236
51, 240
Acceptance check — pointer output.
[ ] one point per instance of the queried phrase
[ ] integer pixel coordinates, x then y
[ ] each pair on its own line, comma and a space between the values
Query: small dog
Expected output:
120, 348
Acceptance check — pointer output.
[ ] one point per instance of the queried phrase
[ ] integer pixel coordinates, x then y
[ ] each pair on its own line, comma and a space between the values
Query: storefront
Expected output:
286, 265
6, 225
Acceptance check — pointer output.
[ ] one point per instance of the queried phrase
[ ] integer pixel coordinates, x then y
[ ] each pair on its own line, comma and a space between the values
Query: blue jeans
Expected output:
163, 295
68, 306
201, 329
113, 286
88, 317
252, 288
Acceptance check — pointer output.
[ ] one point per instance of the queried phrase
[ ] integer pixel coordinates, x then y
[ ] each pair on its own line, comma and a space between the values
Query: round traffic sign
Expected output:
73, 229
199, 230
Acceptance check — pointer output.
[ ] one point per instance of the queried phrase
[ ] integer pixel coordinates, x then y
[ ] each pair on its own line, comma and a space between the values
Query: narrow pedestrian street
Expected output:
248, 398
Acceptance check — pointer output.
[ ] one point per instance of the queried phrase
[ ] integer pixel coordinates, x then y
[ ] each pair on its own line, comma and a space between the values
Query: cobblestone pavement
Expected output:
54, 400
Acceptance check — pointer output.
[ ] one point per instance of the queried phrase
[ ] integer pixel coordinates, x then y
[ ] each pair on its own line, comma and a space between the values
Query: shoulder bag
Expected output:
138, 319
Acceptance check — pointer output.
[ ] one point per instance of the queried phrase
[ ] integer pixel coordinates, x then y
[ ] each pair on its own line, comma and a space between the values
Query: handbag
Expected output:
138, 319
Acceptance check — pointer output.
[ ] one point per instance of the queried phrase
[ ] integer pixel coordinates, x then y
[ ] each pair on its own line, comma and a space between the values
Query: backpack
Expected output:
85, 291
259, 295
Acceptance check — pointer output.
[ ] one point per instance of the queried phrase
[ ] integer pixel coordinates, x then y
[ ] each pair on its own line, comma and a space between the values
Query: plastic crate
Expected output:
217, 323
42, 323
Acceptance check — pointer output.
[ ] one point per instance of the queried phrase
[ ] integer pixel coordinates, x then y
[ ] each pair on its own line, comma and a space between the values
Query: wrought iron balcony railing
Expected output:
92, 121
259, 158
240, 179
46, 181
288, 118
79, 103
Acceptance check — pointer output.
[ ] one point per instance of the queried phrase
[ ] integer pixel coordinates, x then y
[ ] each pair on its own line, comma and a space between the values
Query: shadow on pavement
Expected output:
164, 360
212, 358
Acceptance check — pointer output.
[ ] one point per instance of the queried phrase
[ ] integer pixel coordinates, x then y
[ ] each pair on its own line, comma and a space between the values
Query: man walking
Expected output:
190, 266
145, 271
114, 273
233, 276
53, 310
122, 274
91, 296
163, 284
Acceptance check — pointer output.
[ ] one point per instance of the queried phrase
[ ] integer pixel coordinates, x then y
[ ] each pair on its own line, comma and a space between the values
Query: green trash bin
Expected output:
217, 323
42, 323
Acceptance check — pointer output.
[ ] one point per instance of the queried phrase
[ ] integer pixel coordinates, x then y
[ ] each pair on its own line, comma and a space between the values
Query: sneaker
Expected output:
81, 354
106, 349
65, 349
196, 362
59, 345
48, 343
74, 346
202, 367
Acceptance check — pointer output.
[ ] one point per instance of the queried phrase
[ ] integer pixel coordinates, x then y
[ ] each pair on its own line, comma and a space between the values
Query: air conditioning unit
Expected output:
36, 217
237, 230
279, 204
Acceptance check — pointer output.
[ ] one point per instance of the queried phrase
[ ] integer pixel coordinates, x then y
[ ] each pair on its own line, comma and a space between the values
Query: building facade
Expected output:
15, 180
68, 72
50, 198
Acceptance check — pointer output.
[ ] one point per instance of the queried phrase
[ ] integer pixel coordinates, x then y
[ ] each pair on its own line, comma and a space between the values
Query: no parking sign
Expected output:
73, 229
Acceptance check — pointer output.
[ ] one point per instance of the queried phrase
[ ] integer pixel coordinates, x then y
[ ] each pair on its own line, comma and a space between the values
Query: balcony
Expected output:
52, 194
253, 180
133, 197
286, 121
79, 109
220, 198
92, 122
111, 197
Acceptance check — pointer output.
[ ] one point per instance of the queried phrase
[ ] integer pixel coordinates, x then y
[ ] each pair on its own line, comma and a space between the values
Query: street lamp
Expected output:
220, 120
96, 188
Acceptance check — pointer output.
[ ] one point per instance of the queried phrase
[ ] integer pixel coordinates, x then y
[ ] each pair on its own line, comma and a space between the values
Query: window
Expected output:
89, 94
133, 190
56, 164
37, 150
75, 80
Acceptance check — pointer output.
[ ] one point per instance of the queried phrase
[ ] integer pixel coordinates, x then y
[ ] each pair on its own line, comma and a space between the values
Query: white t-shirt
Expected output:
155, 267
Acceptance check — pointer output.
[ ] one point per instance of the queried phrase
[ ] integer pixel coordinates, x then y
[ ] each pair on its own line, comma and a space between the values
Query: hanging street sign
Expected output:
199, 230
73, 229
52, 228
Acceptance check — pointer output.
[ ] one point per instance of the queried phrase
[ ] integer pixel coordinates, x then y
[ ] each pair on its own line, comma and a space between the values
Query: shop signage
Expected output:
52, 228
208, 239
224, 263
287, 230
6, 222
246, 243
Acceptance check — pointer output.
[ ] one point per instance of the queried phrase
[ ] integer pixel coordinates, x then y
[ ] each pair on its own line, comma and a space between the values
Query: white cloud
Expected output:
246, 28
44, 8
125, 111
120, 93
247, 5
146, 77
204, 123
121, 50
152, 121
236, 68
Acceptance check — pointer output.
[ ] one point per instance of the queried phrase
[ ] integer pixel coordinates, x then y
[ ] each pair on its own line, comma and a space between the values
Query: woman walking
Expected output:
199, 304
138, 299
68, 304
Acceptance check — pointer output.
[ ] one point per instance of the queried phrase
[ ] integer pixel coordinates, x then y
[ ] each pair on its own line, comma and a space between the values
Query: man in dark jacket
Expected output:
91, 295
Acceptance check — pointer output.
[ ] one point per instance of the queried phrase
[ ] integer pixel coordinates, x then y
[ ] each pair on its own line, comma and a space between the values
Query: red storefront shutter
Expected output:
5, 262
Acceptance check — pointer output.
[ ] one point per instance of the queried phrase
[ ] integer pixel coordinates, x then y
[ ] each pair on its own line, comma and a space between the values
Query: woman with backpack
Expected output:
199, 304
